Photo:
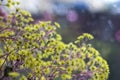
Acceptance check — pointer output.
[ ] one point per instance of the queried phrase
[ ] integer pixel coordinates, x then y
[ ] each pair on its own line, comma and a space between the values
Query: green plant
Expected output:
31, 51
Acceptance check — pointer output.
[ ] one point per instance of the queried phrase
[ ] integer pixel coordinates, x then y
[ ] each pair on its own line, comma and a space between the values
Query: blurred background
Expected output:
101, 18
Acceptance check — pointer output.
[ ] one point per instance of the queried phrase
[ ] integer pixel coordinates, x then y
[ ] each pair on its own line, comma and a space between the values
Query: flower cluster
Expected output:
36, 52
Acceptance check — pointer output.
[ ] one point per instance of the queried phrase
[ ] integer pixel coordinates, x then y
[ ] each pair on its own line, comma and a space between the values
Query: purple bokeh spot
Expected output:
72, 16
117, 35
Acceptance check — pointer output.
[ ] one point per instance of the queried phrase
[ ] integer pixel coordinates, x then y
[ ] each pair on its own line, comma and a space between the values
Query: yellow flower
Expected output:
13, 74
58, 37
57, 24
23, 78
66, 76
42, 78
1, 62
8, 5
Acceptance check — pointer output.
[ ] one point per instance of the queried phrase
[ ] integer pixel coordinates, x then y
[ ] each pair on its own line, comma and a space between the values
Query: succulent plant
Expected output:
31, 51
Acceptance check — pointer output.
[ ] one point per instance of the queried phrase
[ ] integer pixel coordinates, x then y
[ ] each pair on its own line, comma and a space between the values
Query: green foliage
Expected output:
38, 50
